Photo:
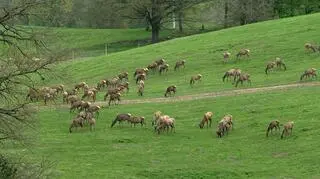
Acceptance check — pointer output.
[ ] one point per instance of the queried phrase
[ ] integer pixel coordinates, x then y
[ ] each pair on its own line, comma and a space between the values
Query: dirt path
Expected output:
206, 95
213, 94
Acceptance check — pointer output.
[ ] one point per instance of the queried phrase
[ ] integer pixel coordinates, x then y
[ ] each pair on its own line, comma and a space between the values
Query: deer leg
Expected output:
234, 79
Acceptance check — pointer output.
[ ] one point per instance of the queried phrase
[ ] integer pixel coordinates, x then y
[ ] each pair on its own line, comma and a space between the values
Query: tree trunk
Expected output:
275, 13
180, 19
26, 20
276, 9
173, 20
154, 19
243, 19
243, 13
155, 35
291, 8
307, 8
226, 9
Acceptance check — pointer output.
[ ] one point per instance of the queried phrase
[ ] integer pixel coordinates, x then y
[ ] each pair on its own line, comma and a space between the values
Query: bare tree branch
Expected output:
12, 35
158, 12
19, 67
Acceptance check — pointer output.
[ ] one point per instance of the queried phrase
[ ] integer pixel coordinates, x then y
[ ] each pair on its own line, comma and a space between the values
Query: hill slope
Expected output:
125, 152
281, 38
91, 42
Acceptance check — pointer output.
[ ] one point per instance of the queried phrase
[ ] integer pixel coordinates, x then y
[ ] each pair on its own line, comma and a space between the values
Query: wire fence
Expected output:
109, 48
102, 50
106, 49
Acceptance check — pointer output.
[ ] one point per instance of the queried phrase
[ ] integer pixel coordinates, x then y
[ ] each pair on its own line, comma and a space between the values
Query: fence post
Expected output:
106, 49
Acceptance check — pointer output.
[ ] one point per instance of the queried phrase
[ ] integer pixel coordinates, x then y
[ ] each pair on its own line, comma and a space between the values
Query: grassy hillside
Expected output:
125, 152
91, 42
283, 38
94, 40
84, 38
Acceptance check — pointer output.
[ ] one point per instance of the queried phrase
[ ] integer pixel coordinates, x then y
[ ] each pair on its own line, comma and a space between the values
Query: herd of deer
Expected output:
118, 84
278, 63
226, 123
162, 122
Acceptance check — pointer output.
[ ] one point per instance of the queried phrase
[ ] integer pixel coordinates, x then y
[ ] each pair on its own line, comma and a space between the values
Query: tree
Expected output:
248, 11
83, 13
285, 8
179, 6
56, 13
19, 69
243, 9
108, 13
155, 12
226, 11
158, 12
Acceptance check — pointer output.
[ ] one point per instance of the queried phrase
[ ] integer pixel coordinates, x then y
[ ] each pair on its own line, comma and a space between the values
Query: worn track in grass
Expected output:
205, 95
213, 94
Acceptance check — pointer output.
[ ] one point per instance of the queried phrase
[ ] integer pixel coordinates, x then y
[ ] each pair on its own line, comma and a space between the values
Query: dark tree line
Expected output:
157, 14
240, 12
286, 8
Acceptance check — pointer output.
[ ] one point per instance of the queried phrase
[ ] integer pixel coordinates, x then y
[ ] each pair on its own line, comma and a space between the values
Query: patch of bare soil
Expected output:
280, 155
210, 95
214, 94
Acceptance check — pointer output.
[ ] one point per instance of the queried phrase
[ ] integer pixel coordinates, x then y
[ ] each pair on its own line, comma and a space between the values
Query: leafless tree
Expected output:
159, 12
25, 57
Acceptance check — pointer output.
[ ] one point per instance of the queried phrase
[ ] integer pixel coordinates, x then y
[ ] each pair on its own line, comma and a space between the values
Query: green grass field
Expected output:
125, 152
283, 38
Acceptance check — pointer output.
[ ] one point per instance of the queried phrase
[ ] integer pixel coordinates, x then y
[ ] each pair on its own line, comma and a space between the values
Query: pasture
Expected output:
128, 152
138, 152
284, 38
